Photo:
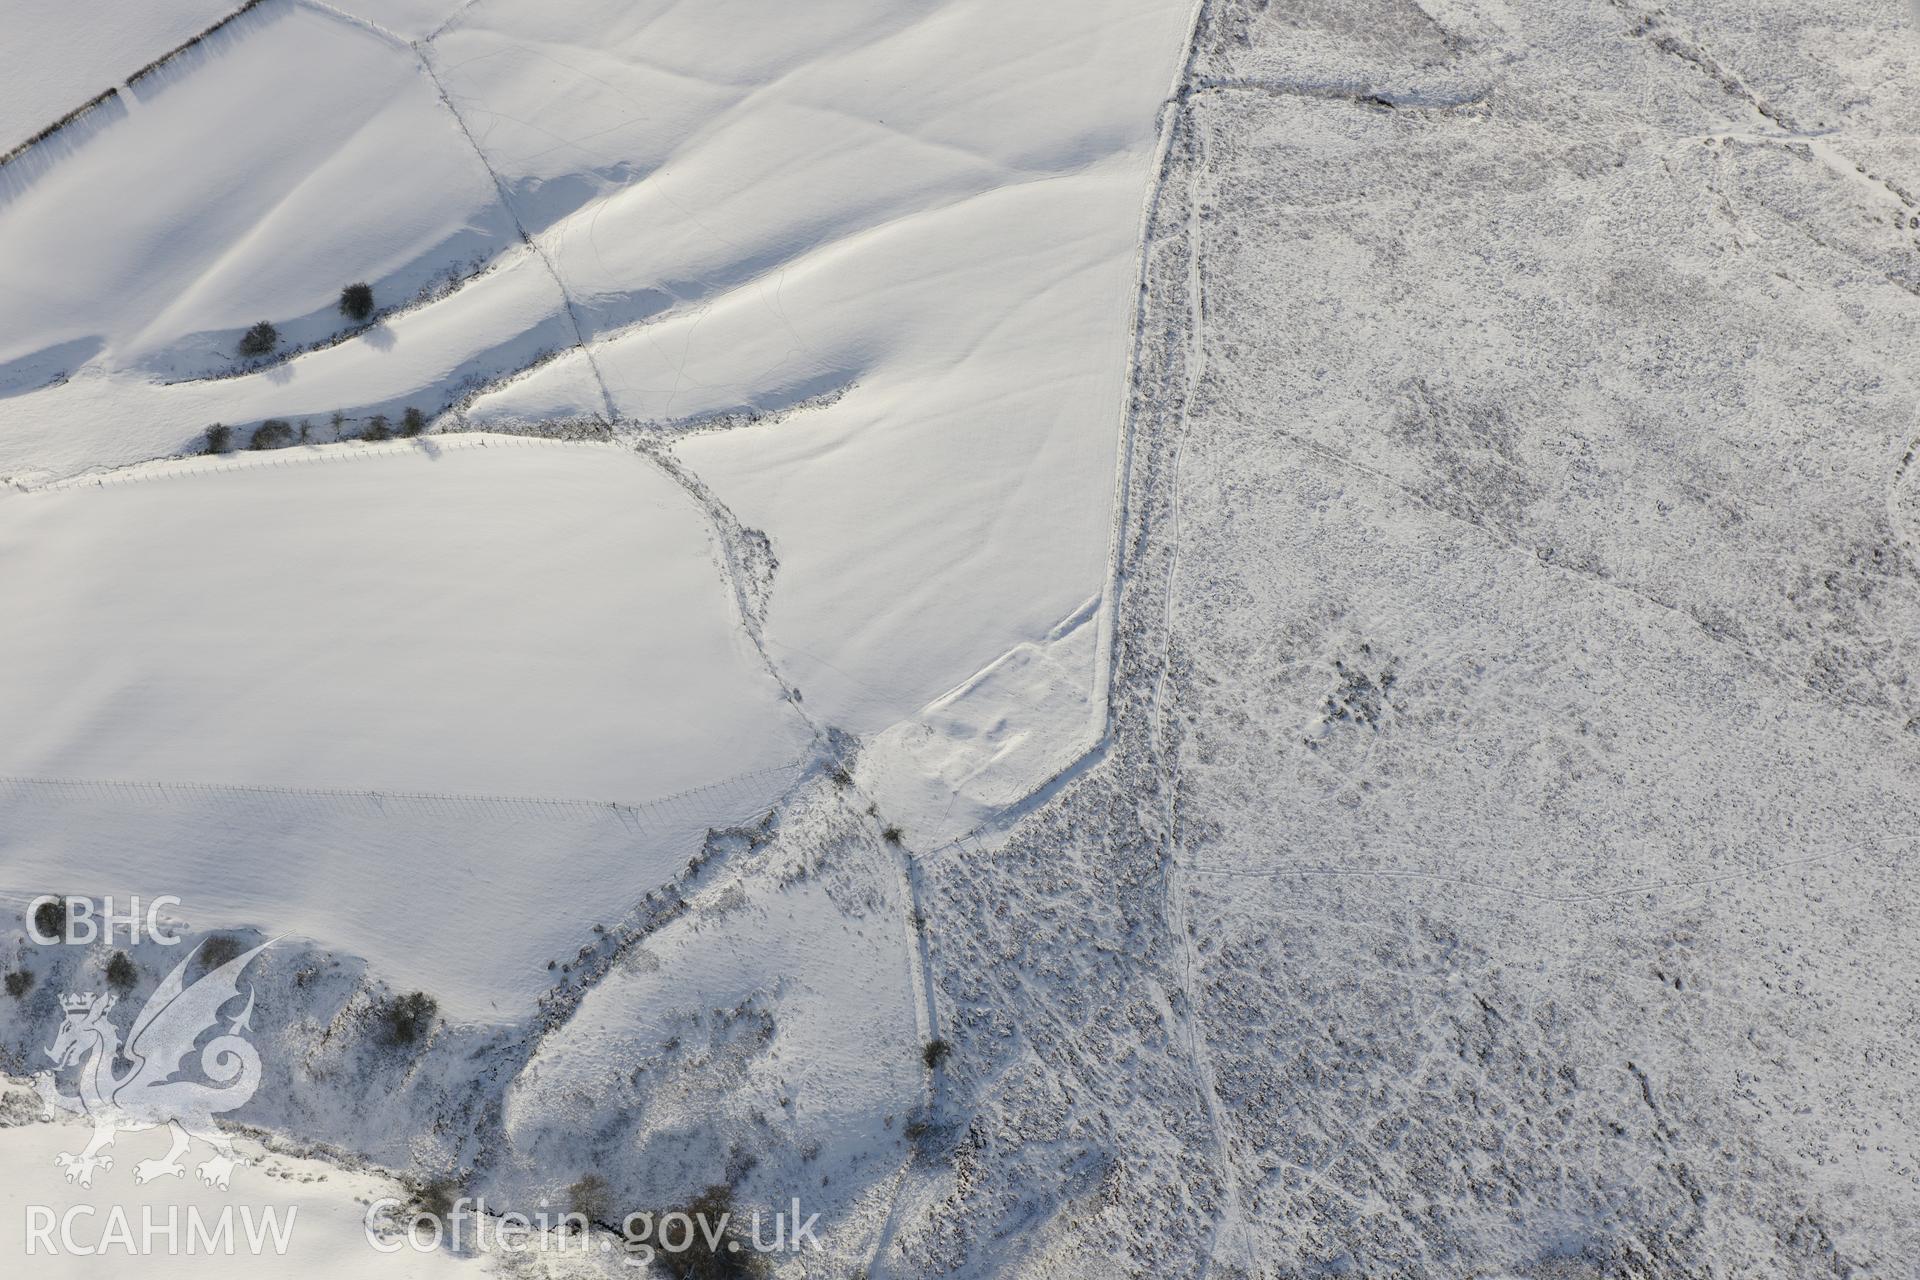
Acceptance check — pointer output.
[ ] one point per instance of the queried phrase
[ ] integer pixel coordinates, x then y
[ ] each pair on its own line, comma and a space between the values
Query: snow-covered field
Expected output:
506, 636
1500, 858
55, 57
947, 288
488, 615
927, 296
769, 1037
609, 743
937, 293
258, 174
1095, 639
318, 1215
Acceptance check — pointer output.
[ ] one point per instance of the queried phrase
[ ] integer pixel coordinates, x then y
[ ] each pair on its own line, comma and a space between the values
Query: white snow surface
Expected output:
856, 278
836, 978
937, 218
498, 617
467, 898
976, 751
1496, 857
57, 54
258, 653
326, 1238
775, 1016
867, 269
931, 209
260, 172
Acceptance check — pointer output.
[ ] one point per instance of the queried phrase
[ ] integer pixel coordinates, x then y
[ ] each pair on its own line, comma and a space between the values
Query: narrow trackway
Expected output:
1228, 1227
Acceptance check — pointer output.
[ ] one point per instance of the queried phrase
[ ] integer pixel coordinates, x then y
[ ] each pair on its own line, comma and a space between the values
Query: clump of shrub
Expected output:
412, 422
378, 428
935, 1053
927, 1140
260, 339
219, 438
50, 919
434, 1196
725, 1256
892, 834
356, 301
409, 1018
18, 983
217, 950
274, 433
591, 1198
121, 972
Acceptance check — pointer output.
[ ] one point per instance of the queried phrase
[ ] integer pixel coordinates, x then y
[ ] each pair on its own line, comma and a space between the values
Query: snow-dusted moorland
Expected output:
1258, 639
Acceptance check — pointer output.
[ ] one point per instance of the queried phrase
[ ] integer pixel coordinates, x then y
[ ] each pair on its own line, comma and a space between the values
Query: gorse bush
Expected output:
274, 433
378, 428
356, 301
410, 1017
121, 973
412, 422
259, 340
217, 950
219, 438
19, 982
435, 1196
50, 919
726, 1256
591, 1198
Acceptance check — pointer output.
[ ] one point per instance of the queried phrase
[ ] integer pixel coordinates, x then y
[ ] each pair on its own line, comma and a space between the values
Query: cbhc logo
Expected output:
52, 919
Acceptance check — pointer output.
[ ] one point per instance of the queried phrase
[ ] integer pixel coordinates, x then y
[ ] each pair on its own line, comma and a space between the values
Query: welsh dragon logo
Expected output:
152, 1092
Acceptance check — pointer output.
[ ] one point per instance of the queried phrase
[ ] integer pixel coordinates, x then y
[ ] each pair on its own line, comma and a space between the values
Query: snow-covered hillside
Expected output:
758, 373
1500, 865
51, 64
1254, 638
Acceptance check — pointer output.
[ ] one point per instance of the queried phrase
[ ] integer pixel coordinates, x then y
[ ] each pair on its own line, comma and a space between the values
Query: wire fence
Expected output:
307, 455
720, 801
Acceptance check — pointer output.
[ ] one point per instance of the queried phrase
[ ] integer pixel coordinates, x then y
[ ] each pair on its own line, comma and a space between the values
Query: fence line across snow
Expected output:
695, 803
305, 455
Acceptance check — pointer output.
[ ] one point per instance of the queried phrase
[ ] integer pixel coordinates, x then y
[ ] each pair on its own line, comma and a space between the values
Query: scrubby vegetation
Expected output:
217, 950
219, 438
935, 1053
50, 919
932, 1143
97, 100
182, 47
727, 1255
274, 433
591, 1198
433, 1195
356, 302
412, 422
409, 1018
260, 339
378, 428
19, 982
122, 974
